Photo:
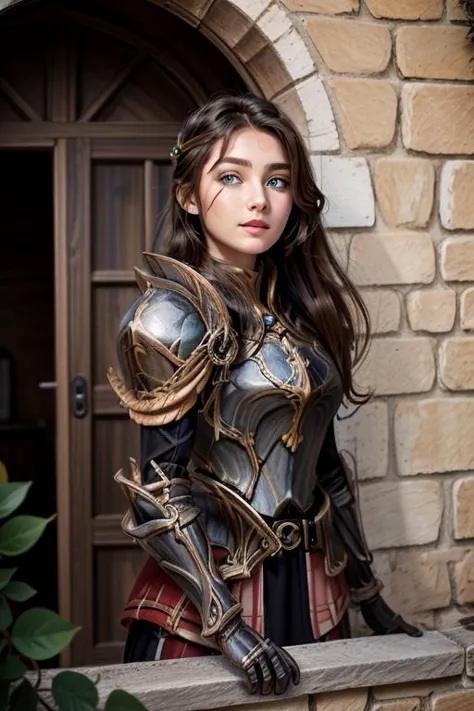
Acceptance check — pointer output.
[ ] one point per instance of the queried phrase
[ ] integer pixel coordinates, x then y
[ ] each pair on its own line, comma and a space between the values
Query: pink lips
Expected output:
255, 227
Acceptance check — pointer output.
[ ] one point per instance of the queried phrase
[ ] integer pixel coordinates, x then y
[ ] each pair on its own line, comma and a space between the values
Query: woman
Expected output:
235, 358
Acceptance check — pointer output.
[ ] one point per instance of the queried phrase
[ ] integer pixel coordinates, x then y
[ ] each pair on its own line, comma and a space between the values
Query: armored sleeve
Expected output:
172, 344
337, 480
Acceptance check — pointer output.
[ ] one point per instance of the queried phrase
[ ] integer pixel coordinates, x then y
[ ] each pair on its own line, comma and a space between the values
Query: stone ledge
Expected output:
210, 682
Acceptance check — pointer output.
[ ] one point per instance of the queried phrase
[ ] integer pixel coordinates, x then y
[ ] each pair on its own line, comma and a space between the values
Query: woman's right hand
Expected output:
268, 667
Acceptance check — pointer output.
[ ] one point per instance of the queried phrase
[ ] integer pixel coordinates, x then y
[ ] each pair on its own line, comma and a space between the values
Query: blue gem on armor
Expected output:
269, 320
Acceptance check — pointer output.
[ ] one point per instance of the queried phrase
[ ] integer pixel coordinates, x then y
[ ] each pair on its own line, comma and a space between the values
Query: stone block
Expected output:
269, 71
250, 45
453, 701
396, 258
295, 55
467, 309
457, 259
322, 128
431, 310
418, 582
434, 53
402, 691
290, 103
384, 310
456, 204
402, 513
405, 190
456, 364
274, 23
406, 9
347, 186
437, 118
196, 8
329, 7
351, 47
434, 435
398, 705
398, 365
227, 22
454, 11
367, 110
463, 506
464, 580
252, 8
299, 704
352, 700
364, 435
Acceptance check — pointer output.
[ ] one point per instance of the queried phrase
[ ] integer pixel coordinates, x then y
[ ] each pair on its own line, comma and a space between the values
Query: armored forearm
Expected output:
164, 521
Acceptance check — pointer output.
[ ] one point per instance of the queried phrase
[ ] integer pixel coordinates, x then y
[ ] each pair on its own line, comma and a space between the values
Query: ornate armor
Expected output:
257, 424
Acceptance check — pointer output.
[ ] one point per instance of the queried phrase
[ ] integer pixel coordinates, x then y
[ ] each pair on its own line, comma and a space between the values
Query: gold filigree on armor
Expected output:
176, 524
254, 539
157, 401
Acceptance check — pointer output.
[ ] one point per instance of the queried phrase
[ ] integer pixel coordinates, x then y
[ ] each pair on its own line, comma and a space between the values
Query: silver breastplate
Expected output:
273, 413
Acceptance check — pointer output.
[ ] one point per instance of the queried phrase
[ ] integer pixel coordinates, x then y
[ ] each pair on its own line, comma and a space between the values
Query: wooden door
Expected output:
106, 96
106, 212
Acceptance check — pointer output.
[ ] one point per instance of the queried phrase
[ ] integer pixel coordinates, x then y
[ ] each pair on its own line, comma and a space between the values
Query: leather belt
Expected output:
293, 533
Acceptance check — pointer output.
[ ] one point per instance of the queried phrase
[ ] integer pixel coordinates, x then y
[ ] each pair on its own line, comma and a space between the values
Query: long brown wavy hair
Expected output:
300, 280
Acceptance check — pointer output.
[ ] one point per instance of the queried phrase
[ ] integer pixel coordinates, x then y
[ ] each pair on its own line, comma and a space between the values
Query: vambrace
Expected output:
165, 522
336, 480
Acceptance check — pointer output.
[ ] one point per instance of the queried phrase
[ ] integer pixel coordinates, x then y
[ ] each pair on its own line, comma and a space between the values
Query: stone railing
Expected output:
396, 673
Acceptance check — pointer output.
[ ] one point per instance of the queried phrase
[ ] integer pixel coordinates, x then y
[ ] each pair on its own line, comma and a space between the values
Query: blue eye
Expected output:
229, 179
278, 183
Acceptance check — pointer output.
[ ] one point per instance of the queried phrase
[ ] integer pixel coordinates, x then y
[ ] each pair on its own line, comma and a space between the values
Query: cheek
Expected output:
215, 200
284, 207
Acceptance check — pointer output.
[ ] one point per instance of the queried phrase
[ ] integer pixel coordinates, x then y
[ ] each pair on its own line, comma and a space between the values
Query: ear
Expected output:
187, 200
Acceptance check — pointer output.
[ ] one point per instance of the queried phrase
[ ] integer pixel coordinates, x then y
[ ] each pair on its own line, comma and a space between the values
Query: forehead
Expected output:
251, 144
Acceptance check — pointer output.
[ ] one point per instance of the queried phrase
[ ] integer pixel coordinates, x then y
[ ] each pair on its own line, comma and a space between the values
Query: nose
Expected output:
257, 198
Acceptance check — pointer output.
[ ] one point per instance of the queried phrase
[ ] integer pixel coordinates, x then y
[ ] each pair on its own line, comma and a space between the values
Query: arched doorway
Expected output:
91, 97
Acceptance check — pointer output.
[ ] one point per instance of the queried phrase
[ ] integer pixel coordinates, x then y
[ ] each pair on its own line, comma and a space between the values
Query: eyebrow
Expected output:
248, 164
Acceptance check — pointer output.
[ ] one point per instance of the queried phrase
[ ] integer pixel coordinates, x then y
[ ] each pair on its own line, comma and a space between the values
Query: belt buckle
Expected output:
288, 533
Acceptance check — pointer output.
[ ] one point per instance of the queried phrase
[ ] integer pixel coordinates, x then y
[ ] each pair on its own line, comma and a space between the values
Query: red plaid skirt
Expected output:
156, 598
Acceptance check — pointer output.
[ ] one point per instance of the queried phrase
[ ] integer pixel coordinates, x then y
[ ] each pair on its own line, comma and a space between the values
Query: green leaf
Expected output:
41, 634
5, 576
11, 497
120, 700
74, 692
20, 533
11, 667
6, 617
24, 698
19, 592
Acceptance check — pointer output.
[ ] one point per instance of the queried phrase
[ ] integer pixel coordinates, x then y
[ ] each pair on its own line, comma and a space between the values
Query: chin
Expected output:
256, 246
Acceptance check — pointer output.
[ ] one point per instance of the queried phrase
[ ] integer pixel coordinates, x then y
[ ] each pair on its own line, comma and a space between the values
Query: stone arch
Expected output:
261, 40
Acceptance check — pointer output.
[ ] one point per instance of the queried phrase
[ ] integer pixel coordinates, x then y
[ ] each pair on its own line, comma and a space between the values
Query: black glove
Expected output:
383, 620
268, 667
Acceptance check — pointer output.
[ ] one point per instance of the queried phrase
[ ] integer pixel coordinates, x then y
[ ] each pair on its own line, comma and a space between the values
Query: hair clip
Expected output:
176, 150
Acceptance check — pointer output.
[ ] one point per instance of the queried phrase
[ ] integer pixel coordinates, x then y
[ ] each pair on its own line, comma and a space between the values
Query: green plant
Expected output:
37, 634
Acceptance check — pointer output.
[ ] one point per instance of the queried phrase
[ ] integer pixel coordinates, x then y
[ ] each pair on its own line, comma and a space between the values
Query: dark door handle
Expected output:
79, 397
